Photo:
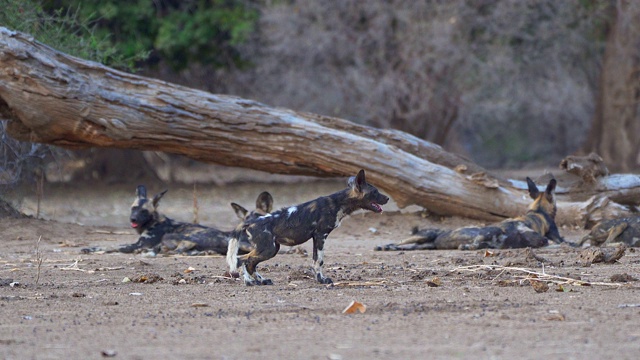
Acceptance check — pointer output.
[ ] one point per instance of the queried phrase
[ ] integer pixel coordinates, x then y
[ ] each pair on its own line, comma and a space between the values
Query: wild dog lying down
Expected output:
159, 232
534, 229
295, 225
623, 230
211, 239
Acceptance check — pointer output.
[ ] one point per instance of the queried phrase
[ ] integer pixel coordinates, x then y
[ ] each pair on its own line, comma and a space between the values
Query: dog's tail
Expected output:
232, 254
419, 240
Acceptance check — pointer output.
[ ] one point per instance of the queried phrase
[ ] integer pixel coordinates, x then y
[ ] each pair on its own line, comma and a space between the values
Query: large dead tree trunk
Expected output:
53, 98
616, 123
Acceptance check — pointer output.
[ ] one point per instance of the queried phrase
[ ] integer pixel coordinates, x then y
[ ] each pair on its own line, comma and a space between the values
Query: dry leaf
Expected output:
488, 253
435, 282
189, 269
561, 288
355, 306
147, 278
555, 317
539, 286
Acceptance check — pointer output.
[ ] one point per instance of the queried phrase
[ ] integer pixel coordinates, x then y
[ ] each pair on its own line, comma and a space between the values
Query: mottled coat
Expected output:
623, 230
534, 229
295, 225
163, 234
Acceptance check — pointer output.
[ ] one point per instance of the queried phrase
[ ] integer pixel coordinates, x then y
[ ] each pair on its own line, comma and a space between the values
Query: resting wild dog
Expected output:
534, 229
295, 225
210, 239
622, 230
159, 232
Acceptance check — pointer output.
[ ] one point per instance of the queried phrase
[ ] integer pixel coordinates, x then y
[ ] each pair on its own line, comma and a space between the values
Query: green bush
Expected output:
179, 32
68, 30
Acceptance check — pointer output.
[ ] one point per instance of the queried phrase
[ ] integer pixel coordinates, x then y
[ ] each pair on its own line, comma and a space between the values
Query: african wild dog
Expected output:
295, 225
623, 230
210, 239
534, 229
159, 232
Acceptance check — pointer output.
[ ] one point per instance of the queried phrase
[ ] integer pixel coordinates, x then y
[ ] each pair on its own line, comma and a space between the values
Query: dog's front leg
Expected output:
145, 241
318, 258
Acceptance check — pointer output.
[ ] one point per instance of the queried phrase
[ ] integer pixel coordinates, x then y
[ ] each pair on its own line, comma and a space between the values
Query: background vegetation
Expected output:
508, 83
67, 30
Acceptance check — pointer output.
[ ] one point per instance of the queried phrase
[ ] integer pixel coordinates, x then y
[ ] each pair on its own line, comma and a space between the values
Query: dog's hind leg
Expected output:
615, 231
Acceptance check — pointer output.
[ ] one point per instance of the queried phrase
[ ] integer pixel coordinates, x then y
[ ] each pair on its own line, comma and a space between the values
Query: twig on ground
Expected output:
360, 283
75, 267
38, 259
107, 232
109, 268
534, 275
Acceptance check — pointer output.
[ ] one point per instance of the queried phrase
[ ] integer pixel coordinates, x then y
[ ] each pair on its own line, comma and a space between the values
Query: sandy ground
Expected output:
57, 303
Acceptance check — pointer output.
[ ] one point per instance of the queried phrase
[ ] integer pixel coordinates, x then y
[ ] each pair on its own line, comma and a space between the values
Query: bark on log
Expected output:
53, 98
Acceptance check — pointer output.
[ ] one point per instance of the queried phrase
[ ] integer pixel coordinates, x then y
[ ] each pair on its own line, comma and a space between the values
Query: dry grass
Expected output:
39, 260
532, 275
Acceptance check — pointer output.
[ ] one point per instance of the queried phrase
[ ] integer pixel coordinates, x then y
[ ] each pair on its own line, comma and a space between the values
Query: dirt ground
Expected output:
57, 303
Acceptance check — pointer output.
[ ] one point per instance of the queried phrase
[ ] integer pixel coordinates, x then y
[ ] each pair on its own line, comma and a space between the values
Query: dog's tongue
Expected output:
134, 225
377, 207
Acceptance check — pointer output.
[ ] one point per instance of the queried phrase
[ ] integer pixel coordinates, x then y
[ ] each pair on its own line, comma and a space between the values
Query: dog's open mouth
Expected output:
376, 207
134, 225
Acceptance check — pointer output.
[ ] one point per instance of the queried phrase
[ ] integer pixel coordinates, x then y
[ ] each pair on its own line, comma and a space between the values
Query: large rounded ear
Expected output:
239, 210
533, 189
351, 182
360, 180
141, 192
157, 197
264, 202
551, 188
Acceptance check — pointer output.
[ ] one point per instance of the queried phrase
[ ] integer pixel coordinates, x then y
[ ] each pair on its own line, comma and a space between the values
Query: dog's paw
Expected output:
233, 275
250, 282
266, 282
324, 280
91, 250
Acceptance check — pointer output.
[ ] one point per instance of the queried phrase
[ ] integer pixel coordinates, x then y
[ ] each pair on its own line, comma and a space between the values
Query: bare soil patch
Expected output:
423, 304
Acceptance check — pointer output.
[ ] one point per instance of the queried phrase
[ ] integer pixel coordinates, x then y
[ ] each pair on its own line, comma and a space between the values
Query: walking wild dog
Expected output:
295, 225
161, 233
534, 229
622, 230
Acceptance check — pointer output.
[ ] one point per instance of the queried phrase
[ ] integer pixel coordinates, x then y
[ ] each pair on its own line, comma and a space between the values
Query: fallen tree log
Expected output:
53, 98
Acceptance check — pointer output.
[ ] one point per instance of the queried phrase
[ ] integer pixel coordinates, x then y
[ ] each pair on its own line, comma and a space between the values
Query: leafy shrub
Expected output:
70, 31
180, 32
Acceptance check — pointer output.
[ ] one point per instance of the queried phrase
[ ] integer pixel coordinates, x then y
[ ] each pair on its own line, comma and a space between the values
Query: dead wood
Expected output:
588, 168
595, 255
53, 98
